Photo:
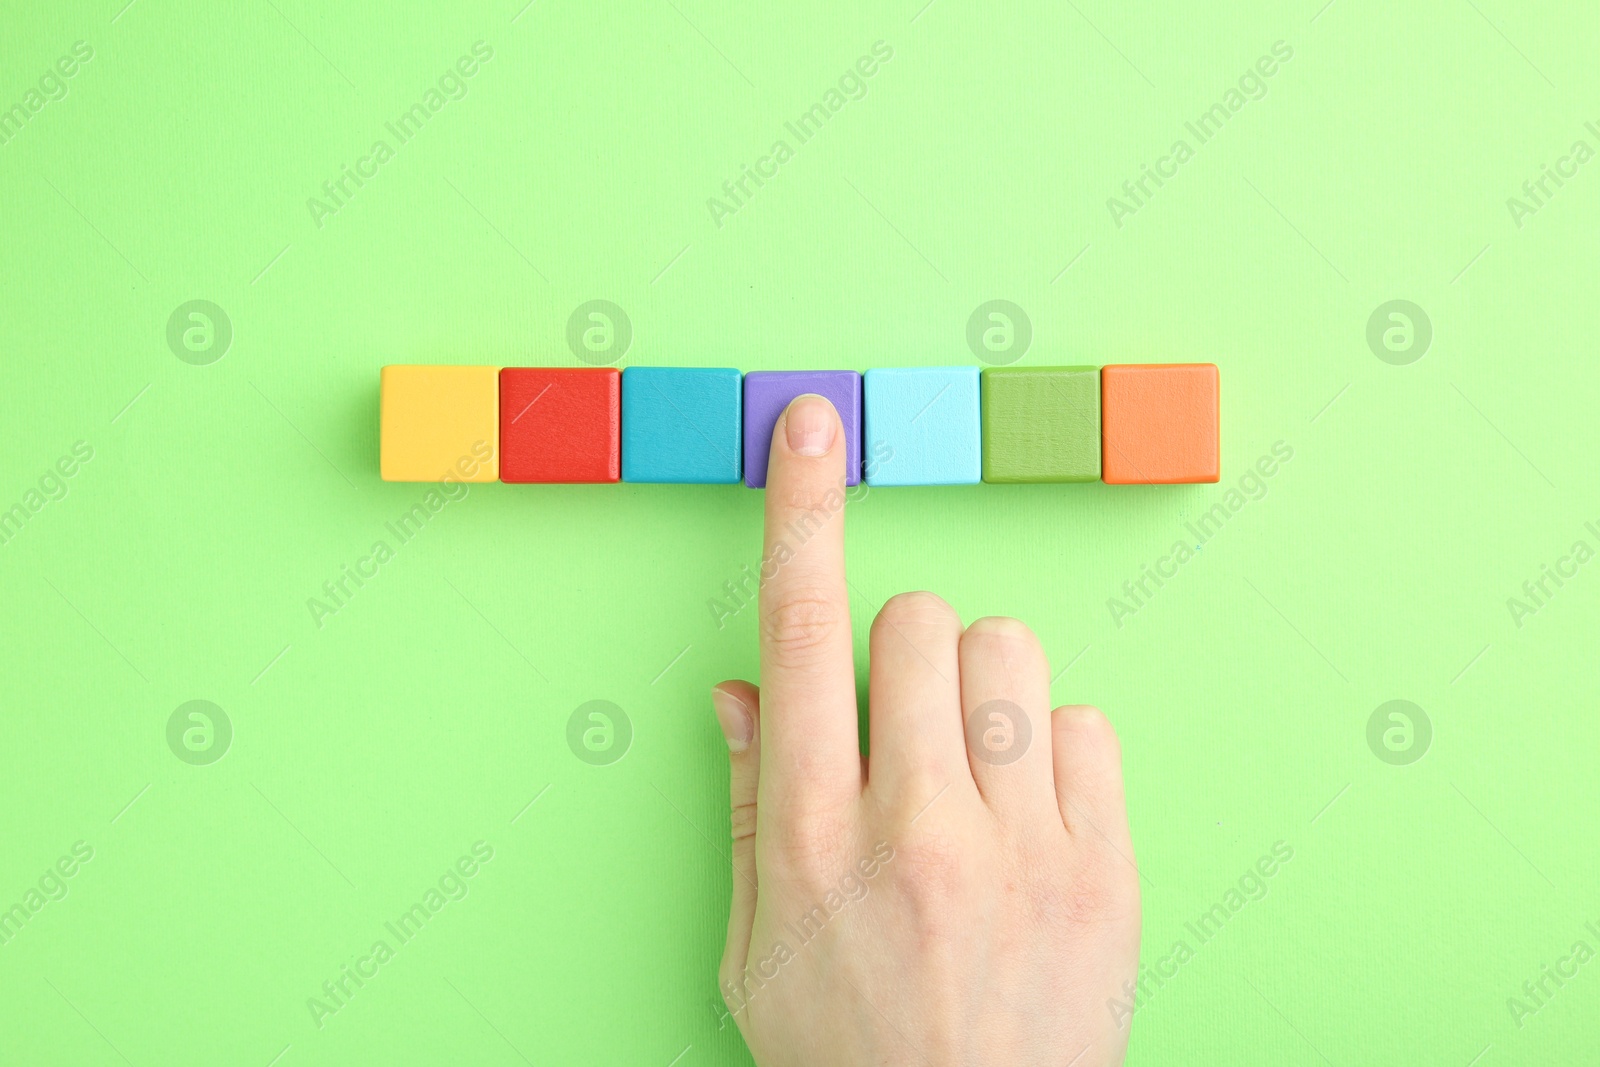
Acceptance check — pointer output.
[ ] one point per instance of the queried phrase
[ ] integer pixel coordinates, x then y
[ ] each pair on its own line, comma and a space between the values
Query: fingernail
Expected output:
808, 425
737, 726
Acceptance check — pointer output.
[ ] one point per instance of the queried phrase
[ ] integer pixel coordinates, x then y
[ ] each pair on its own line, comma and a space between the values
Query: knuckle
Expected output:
920, 774
932, 863
934, 874
809, 501
1005, 640
1001, 628
1088, 728
805, 846
1105, 736
800, 624
919, 611
1098, 856
922, 787
1097, 893
1078, 889
743, 821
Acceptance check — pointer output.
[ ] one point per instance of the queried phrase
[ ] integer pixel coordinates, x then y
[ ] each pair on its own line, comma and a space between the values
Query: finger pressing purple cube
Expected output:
768, 393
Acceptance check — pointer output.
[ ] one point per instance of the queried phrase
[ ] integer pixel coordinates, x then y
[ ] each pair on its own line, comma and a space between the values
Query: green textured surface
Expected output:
1041, 424
1407, 504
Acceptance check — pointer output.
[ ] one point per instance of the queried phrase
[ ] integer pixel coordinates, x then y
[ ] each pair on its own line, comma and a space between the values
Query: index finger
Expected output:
810, 747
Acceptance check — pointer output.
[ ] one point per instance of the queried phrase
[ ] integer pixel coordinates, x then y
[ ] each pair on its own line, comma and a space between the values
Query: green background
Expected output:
371, 752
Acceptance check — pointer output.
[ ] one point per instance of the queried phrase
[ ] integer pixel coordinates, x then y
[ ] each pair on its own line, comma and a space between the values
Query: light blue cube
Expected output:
922, 426
681, 424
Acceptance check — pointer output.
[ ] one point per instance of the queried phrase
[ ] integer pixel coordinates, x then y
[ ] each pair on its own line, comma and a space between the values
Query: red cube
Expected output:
560, 424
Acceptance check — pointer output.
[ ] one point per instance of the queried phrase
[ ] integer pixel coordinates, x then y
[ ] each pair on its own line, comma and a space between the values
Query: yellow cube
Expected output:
438, 423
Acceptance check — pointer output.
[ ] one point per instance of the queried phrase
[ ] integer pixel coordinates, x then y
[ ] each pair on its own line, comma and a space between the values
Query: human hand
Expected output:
954, 898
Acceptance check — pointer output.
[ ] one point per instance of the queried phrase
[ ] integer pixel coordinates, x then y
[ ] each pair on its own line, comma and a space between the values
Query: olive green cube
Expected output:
1041, 424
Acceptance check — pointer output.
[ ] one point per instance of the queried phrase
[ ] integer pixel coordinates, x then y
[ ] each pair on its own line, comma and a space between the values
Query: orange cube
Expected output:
1158, 423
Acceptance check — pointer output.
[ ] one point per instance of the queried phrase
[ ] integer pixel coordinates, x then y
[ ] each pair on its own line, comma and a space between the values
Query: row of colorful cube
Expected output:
1123, 424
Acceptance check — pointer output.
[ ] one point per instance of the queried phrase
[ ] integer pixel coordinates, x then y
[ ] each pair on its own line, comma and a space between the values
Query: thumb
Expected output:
738, 708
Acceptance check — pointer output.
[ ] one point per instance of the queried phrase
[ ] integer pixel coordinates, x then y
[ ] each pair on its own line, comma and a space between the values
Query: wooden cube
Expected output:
560, 424
681, 424
921, 426
1041, 424
767, 394
438, 422
1161, 423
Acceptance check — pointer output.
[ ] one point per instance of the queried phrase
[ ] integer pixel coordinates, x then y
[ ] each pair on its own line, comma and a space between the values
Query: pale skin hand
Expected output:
927, 905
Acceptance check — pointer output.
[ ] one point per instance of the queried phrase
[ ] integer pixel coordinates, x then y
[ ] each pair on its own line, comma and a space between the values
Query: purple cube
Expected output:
768, 392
